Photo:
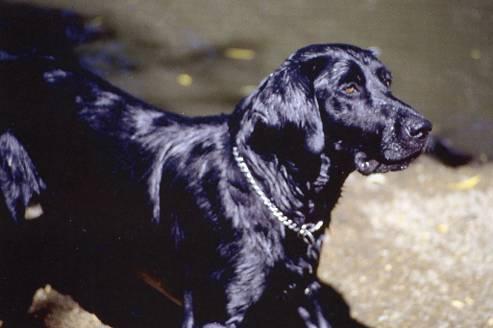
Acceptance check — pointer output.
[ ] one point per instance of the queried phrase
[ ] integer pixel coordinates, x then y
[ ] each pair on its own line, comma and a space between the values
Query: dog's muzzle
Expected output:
407, 139
401, 144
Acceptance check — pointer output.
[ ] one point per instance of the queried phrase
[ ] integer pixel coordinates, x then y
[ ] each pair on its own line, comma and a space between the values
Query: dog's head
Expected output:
334, 99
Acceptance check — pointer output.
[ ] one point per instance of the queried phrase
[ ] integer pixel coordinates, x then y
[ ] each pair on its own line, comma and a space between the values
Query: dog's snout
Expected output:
418, 128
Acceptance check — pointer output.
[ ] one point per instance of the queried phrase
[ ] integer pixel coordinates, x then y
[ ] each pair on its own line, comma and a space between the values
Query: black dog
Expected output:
236, 205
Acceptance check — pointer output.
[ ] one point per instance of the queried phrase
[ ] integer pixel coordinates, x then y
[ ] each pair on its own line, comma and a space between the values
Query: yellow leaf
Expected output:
184, 80
475, 54
239, 53
457, 304
466, 184
442, 228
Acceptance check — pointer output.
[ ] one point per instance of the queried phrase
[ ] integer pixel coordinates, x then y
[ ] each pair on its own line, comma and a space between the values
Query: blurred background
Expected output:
201, 57
405, 249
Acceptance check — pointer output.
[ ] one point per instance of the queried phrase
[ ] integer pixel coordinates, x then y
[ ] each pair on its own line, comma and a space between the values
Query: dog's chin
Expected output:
367, 165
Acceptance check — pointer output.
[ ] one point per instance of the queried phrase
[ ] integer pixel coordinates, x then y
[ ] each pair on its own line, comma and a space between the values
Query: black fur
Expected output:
131, 173
41, 31
19, 181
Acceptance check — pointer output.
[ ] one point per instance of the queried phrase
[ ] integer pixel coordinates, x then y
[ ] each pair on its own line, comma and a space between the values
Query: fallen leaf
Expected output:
457, 304
442, 228
466, 184
475, 54
239, 53
184, 80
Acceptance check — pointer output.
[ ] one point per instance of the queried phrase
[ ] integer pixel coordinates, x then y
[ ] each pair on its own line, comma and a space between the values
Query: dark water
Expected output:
440, 51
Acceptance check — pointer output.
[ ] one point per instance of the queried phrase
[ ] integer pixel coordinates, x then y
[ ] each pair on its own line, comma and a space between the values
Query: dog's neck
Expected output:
301, 192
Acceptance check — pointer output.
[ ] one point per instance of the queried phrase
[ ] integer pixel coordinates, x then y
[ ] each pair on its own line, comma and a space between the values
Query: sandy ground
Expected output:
415, 249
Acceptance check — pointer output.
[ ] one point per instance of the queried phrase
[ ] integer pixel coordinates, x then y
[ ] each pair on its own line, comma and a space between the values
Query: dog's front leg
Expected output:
191, 319
245, 291
239, 294
313, 317
188, 315
188, 318
236, 308
311, 311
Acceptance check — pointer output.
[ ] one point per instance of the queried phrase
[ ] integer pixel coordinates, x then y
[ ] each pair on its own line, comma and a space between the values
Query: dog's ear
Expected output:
283, 115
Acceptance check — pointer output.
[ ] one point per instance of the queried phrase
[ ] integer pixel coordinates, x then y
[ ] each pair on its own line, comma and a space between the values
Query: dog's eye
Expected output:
350, 89
387, 82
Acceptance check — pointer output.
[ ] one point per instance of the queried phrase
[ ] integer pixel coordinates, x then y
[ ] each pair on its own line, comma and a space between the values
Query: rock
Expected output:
54, 310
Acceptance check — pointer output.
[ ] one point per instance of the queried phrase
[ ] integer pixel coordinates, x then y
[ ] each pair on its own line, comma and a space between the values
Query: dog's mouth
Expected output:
366, 164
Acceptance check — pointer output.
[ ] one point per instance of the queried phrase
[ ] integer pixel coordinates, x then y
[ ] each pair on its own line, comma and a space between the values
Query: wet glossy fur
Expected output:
168, 183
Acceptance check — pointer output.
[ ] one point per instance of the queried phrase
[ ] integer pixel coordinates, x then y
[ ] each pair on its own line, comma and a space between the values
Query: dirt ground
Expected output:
415, 248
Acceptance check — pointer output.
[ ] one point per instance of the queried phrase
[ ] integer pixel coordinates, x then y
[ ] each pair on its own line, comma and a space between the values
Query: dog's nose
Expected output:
418, 129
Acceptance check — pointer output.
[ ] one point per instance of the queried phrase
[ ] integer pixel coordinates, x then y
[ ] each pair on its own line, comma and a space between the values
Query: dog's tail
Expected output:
443, 151
20, 183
